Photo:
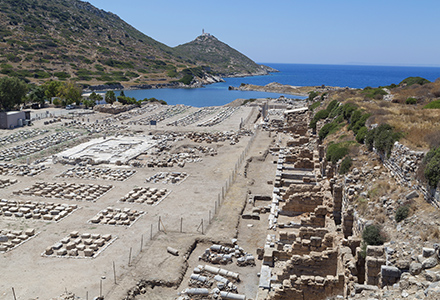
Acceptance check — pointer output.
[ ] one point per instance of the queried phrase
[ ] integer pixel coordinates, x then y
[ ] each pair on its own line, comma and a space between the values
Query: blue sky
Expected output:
386, 32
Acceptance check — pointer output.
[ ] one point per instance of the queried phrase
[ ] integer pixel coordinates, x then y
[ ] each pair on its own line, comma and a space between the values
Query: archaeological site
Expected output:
234, 202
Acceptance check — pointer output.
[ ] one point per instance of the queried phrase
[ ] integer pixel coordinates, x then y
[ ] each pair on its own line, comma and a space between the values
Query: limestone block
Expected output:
61, 252
88, 252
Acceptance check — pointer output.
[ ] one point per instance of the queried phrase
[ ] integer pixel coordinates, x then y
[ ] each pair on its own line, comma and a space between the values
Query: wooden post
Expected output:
13, 293
100, 288
87, 295
209, 219
142, 241
158, 225
202, 226
215, 209
151, 232
129, 257
114, 272
181, 222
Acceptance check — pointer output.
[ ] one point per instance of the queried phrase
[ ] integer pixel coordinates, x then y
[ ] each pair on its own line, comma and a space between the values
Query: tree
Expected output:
89, 103
71, 93
110, 97
12, 91
37, 94
52, 88
95, 97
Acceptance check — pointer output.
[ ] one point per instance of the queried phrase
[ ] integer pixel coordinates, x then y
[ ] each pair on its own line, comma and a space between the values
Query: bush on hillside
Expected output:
401, 213
376, 93
320, 115
414, 80
432, 169
382, 138
433, 105
314, 105
372, 235
362, 133
312, 95
346, 164
411, 100
335, 152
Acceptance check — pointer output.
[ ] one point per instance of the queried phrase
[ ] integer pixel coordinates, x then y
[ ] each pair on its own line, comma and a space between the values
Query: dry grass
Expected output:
431, 232
421, 127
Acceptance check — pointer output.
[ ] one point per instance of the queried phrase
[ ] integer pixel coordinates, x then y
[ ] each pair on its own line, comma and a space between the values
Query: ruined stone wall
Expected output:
373, 262
300, 203
309, 287
315, 264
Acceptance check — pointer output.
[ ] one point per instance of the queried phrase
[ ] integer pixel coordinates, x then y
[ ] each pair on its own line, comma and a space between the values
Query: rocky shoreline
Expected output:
274, 87
196, 83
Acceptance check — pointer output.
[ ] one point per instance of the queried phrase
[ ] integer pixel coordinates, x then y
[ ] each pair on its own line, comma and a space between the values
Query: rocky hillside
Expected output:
207, 50
73, 40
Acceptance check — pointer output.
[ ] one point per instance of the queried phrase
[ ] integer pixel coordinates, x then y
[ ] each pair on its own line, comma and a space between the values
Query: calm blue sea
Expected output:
293, 74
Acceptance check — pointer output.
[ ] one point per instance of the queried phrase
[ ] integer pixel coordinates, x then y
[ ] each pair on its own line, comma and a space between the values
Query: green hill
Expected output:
226, 61
73, 40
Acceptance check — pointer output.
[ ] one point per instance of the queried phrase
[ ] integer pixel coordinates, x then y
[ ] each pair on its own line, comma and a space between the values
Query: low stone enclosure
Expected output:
98, 173
10, 239
145, 195
168, 177
21, 170
77, 245
47, 211
64, 190
117, 217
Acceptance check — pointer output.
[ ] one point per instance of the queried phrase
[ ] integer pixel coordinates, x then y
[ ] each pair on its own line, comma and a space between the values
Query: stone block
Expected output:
88, 252
428, 252
415, 268
429, 263
389, 271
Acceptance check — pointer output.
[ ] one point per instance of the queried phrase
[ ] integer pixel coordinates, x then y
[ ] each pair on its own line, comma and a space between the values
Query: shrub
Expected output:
414, 80
432, 169
433, 104
361, 134
411, 100
332, 105
372, 235
186, 79
347, 110
376, 93
326, 129
345, 165
314, 105
312, 95
322, 114
335, 152
401, 213
382, 138
56, 102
